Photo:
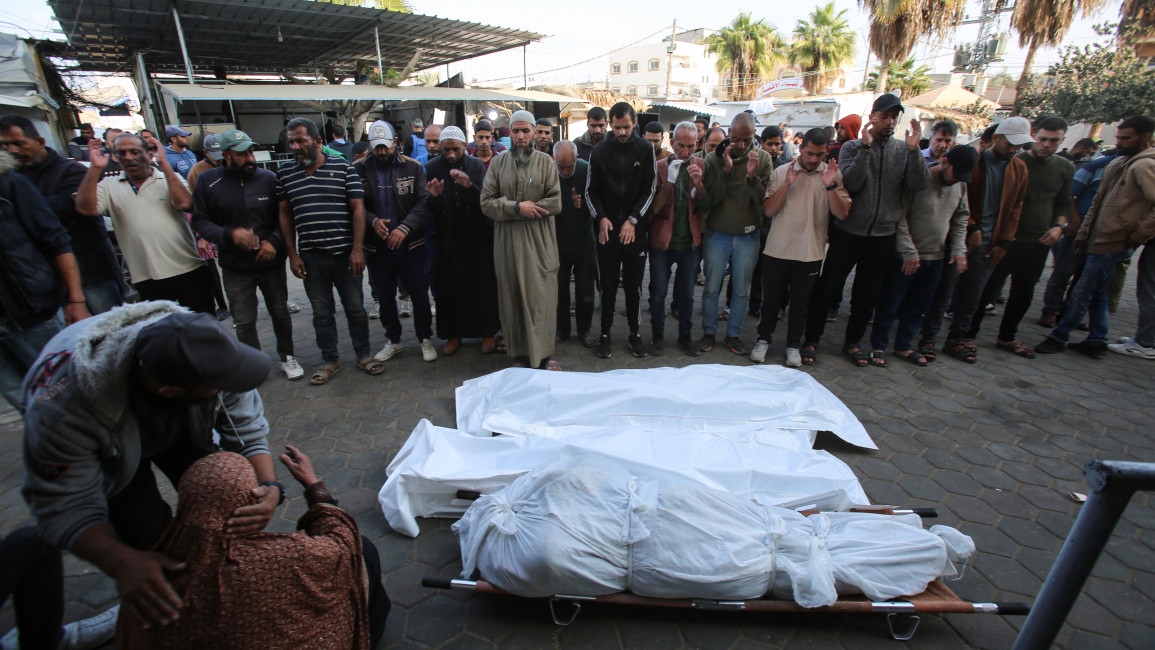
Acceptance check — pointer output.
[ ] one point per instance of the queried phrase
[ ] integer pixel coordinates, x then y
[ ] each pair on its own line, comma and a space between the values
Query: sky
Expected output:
593, 29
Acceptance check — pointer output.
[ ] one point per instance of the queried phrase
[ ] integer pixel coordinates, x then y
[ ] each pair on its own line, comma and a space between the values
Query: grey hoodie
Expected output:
82, 439
881, 181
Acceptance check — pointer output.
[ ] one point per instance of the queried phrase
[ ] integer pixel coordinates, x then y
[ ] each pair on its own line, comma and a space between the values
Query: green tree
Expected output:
402, 6
896, 26
822, 46
904, 77
1044, 22
1099, 83
747, 52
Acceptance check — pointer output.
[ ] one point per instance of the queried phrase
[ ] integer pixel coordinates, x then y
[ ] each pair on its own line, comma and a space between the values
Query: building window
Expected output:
631, 90
632, 66
617, 90
652, 91
655, 64
615, 68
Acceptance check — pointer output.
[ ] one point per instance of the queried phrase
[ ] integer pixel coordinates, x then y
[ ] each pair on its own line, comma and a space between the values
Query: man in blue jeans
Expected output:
1121, 219
676, 237
736, 177
322, 215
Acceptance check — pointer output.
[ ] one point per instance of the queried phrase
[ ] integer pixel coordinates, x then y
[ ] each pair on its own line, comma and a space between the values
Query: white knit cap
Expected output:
452, 133
522, 116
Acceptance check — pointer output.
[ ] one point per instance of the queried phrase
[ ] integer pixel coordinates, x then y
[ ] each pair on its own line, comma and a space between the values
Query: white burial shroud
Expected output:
743, 430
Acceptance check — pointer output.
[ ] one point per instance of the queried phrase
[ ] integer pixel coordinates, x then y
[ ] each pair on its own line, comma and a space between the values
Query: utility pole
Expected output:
866, 72
670, 57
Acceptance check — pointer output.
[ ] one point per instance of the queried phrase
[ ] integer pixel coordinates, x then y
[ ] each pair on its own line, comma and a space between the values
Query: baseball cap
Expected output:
418, 124
213, 146
190, 349
176, 130
886, 102
381, 132
1017, 130
963, 160
235, 140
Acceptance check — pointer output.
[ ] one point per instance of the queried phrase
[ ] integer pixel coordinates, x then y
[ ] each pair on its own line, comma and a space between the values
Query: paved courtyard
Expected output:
997, 447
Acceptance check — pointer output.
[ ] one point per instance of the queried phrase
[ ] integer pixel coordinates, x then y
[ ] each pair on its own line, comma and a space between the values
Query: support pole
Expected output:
380, 67
670, 58
524, 67
144, 86
183, 48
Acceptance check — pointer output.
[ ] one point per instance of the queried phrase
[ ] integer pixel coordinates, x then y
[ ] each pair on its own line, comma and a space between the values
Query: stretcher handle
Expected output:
437, 583
468, 495
925, 513
1014, 609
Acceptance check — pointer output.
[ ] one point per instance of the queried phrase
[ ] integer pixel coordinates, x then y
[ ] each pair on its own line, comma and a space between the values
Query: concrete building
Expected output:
642, 70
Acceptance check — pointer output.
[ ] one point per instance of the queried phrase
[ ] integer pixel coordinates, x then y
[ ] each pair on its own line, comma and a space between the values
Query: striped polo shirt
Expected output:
320, 204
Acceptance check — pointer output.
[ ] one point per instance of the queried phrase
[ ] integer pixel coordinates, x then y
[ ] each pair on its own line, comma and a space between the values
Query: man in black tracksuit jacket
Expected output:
235, 207
620, 189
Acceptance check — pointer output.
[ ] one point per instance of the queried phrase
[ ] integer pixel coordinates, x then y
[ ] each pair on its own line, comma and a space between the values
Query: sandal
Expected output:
878, 359
323, 373
858, 357
588, 341
917, 358
550, 364
926, 349
370, 365
500, 344
488, 345
809, 355
1015, 347
960, 350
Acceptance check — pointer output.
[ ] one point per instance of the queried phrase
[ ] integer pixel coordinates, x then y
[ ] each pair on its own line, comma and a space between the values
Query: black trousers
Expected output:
782, 279
868, 258
193, 290
630, 262
1023, 264
138, 513
379, 603
584, 270
32, 573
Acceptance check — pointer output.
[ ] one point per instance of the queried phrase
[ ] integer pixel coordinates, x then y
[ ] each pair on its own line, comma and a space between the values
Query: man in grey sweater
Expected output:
881, 173
936, 221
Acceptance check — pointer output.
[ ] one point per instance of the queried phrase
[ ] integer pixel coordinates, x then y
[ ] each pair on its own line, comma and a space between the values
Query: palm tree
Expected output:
747, 51
903, 77
1044, 22
896, 26
402, 6
822, 45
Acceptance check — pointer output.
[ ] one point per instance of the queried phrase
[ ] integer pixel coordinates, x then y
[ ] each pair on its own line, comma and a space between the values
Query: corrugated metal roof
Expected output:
702, 109
242, 36
327, 92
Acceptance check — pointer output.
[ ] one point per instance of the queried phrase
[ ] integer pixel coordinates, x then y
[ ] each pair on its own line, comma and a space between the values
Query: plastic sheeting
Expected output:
585, 526
771, 401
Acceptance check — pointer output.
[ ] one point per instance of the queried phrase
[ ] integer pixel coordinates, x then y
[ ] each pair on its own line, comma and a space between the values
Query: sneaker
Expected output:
689, 347
1093, 350
758, 354
706, 343
605, 348
832, 314
428, 352
990, 310
1049, 319
222, 314
389, 351
90, 632
949, 315
736, 345
636, 346
293, 308
657, 347
1133, 349
1125, 339
1050, 346
404, 308
375, 313
292, 369
793, 358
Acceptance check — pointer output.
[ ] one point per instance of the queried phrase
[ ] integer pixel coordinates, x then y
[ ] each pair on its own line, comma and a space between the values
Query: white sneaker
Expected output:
375, 313
1125, 339
428, 352
758, 354
291, 368
293, 308
793, 358
388, 352
404, 308
1133, 349
90, 632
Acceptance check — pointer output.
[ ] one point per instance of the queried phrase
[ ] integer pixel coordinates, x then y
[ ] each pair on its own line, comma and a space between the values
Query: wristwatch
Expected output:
279, 487
633, 221
832, 186
517, 207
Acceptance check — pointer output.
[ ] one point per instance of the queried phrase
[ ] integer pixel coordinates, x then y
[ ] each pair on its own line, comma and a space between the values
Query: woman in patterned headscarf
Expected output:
317, 588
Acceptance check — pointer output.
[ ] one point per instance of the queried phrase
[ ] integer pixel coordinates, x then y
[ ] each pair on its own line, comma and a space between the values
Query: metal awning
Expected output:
693, 107
329, 92
266, 37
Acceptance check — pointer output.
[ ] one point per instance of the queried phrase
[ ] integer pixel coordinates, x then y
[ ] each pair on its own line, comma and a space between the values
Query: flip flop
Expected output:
323, 373
917, 358
551, 364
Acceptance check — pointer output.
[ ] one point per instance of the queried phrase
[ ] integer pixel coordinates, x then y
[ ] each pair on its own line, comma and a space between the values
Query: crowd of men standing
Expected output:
489, 235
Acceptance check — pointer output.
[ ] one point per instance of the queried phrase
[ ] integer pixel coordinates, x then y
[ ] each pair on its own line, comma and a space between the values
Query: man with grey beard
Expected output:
521, 193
